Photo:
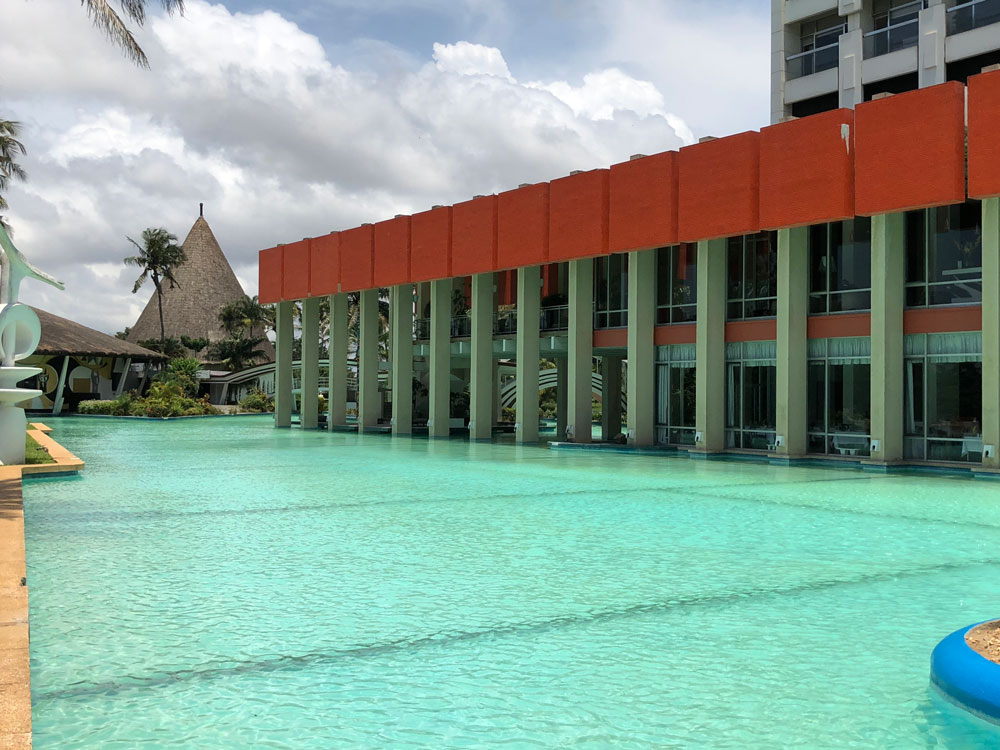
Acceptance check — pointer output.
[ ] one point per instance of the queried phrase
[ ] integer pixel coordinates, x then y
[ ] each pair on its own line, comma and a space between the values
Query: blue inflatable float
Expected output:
965, 678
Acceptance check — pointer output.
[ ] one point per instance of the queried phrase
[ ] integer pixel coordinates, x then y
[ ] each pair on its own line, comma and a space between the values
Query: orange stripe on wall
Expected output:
752, 330
675, 334
611, 338
943, 319
839, 326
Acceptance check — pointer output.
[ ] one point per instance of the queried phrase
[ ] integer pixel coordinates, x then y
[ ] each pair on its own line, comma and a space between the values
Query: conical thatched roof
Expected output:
205, 282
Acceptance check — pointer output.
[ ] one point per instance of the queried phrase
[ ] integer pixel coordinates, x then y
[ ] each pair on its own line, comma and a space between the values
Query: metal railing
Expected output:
813, 61
972, 15
892, 38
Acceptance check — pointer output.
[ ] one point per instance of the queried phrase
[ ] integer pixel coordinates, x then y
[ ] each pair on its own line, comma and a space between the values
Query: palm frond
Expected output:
105, 18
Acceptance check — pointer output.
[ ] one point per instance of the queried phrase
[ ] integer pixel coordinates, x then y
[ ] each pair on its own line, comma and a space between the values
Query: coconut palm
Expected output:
9, 168
245, 315
111, 23
237, 352
158, 256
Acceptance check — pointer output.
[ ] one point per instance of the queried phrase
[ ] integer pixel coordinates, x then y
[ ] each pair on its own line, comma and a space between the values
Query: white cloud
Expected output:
246, 112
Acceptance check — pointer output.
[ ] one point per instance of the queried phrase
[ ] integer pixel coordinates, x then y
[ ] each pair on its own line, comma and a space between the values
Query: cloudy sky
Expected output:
292, 118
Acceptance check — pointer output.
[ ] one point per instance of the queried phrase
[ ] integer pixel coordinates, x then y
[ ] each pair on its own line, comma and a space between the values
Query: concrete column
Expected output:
497, 404
641, 399
851, 50
562, 386
310, 364
529, 300
710, 373
368, 399
337, 394
793, 314
991, 330
481, 390
611, 397
439, 377
930, 46
283, 365
402, 359
888, 263
581, 350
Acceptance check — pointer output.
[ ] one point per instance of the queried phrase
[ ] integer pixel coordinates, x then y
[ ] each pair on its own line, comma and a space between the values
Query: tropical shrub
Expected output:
182, 371
256, 401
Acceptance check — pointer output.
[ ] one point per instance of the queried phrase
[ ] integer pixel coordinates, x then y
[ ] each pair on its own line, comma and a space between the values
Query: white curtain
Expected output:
955, 347
850, 351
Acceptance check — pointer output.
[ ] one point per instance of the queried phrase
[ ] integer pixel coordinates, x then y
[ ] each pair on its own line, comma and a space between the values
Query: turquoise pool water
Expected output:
221, 584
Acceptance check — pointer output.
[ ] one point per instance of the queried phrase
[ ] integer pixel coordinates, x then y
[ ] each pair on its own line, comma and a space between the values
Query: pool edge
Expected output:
15, 665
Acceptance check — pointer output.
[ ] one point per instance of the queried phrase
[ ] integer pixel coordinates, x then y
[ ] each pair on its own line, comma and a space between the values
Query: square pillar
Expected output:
481, 416
792, 359
308, 413
368, 399
850, 89
888, 282
562, 381
337, 393
611, 397
283, 365
641, 401
991, 330
439, 378
402, 359
580, 410
529, 289
710, 372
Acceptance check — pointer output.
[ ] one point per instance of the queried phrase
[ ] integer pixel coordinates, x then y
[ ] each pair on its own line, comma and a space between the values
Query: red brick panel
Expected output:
392, 251
523, 226
984, 135
357, 251
430, 244
717, 194
685, 333
578, 216
269, 275
643, 203
474, 236
807, 170
324, 268
752, 330
610, 338
943, 319
910, 150
295, 270
839, 326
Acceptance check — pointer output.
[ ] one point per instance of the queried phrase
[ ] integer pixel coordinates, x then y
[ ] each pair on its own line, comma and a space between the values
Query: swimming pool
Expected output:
221, 584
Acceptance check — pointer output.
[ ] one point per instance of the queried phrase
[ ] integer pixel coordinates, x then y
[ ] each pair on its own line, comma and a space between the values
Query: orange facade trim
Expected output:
295, 270
984, 135
430, 244
269, 275
578, 216
392, 251
910, 150
752, 330
839, 326
324, 265
474, 236
807, 170
642, 211
943, 319
523, 226
357, 258
718, 188
611, 338
676, 334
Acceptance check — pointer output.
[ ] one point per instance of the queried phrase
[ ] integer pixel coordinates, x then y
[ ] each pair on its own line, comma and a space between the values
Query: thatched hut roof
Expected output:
61, 336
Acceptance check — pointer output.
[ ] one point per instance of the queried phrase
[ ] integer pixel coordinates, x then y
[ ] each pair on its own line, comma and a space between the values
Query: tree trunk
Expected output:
159, 304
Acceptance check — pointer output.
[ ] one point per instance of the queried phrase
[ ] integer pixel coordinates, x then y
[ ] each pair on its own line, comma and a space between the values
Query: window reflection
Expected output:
840, 266
677, 284
944, 256
752, 276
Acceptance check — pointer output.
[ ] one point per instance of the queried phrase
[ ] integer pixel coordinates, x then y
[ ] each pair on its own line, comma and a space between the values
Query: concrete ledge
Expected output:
65, 462
965, 678
613, 448
15, 678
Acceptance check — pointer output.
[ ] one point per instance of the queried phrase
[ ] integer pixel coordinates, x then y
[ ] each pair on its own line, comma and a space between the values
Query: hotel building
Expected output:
828, 287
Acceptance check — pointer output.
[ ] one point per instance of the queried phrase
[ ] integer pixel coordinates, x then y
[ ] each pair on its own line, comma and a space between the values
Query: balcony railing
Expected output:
813, 61
972, 15
892, 38
555, 318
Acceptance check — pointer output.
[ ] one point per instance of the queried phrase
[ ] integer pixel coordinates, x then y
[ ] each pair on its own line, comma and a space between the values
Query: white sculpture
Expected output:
20, 332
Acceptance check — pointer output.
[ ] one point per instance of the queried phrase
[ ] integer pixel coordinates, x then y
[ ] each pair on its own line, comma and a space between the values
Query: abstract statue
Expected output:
20, 332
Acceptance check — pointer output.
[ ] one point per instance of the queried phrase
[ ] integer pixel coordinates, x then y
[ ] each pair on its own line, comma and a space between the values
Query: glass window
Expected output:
944, 256
752, 276
943, 405
675, 394
751, 395
840, 267
677, 284
839, 398
611, 291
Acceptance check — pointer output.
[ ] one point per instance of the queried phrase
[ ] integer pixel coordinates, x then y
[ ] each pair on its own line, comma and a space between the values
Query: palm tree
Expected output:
158, 256
244, 315
9, 168
107, 20
237, 352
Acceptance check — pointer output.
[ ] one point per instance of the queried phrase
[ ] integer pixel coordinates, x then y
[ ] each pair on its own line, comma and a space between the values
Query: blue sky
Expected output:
292, 119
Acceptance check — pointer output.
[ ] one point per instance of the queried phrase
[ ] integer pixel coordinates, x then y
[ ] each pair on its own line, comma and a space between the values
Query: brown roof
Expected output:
62, 336
205, 282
